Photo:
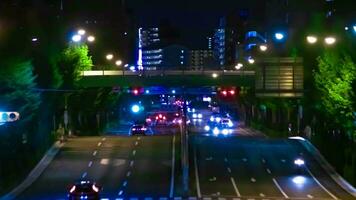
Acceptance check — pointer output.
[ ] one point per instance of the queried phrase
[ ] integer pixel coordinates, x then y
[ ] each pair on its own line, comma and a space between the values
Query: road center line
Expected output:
136, 143
316, 180
280, 188
95, 152
90, 164
171, 192
128, 173
196, 174
99, 144
134, 152
104, 139
229, 170
235, 187
132, 163
268, 171
84, 174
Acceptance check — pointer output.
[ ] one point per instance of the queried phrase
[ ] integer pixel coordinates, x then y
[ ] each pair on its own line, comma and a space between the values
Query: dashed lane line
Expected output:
171, 191
235, 187
196, 174
316, 180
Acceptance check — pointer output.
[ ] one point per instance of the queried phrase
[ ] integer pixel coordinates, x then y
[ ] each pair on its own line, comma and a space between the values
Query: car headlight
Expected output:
218, 119
230, 124
207, 128
134, 129
194, 115
200, 116
225, 132
216, 131
299, 162
212, 118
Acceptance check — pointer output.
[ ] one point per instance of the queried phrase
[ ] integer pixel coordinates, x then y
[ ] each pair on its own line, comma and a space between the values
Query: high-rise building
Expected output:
200, 59
150, 51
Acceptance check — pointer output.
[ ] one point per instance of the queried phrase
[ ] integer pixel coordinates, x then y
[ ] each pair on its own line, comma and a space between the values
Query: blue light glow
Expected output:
299, 180
354, 27
279, 36
135, 108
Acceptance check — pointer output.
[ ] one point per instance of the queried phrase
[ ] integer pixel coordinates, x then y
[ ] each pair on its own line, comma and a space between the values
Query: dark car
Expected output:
138, 129
84, 190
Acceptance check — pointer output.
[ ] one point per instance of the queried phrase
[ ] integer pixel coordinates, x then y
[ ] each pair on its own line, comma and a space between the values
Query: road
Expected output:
257, 168
245, 166
124, 166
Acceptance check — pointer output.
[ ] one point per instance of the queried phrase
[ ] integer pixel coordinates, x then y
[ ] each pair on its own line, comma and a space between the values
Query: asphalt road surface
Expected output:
244, 166
125, 167
257, 168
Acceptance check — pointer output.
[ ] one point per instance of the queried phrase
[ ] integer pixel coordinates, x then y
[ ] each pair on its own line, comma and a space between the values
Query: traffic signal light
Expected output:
137, 91
228, 92
9, 117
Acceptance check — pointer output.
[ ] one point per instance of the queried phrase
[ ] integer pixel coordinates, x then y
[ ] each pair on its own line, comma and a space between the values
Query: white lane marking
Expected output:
90, 164
132, 163
209, 158
280, 188
134, 152
99, 144
229, 170
253, 180
121, 192
244, 159
104, 161
171, 192
310, 196
316, 180
263, 160
269, 171
95, 152
262, 195
84, 174
119, 162
235, 187
124, 184
104, 139
128, 173
138, 138
196, 174
226, 160
283, 160
136, 143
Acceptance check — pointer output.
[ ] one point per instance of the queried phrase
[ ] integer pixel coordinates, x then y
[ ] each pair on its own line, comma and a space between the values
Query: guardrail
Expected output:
166, 73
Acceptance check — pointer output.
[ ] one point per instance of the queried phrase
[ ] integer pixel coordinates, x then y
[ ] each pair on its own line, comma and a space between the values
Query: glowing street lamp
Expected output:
81, 32
263, 47
354, 28
91, 38
118, 63
109, 56
239, 66
76, 38
251, 60
312, 39
279, 36
215, 75
330, 40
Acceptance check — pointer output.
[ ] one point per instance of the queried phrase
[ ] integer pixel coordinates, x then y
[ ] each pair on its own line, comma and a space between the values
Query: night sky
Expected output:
195, 19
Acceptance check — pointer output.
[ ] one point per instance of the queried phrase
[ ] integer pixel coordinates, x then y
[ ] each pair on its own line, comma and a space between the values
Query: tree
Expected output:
16, 91
334, 80
74, 59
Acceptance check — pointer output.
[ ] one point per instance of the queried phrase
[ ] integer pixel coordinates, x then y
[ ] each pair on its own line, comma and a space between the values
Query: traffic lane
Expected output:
150, 175
65, 169
214, 179
294, 182
235, 132
320, 173
249, 169
109, 167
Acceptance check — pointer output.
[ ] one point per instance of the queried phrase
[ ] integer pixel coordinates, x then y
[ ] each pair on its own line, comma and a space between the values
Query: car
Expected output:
84, 190
138, 129
218, 129
227, 122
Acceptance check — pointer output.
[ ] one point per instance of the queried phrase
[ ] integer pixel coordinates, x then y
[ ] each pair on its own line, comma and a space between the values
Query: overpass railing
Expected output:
166, 73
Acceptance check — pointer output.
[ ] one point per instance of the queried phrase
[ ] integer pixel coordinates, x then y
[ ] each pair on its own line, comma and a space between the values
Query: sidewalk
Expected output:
35, 173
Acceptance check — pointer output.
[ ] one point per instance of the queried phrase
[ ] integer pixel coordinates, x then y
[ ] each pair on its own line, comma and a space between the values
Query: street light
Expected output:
239, 66
312, 39
251, 60
354, 28
330, 40
109, 56
76, 38
81, 32
279, 36
118, 63
91, 38
263, 47
214, 75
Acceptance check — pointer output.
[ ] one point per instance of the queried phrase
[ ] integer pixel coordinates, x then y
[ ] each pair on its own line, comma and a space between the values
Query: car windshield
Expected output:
178, 99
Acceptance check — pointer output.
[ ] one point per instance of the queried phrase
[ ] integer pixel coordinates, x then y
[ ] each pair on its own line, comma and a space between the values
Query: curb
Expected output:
327, 167
35, 173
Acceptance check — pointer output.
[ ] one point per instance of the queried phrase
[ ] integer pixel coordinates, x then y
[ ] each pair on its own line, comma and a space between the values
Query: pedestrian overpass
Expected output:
171, 78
